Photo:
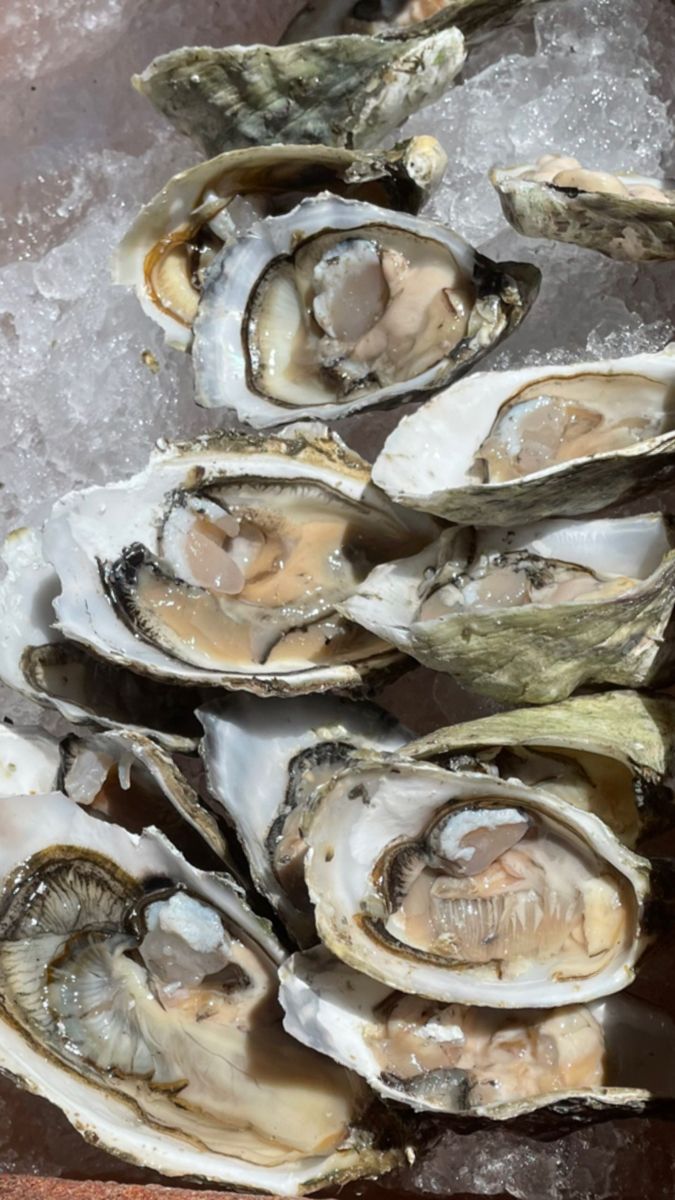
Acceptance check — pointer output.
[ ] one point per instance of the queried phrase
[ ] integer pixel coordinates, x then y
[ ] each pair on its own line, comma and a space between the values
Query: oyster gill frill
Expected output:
475, 18
37, 661
506, 447
264, 759
617, 1052
612, 754
166, 251
139, 994
625, 216
458, 887
340, 305
343, 91
529, 615
222, 563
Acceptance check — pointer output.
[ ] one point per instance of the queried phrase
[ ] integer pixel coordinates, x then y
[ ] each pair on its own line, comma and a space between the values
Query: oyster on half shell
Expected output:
140, 995
340, 305
222, 563
622, 215
507, 447
177, 234
612, 754
615, 1052
475, 18
461, 887
264, 760
527, 615
342, 91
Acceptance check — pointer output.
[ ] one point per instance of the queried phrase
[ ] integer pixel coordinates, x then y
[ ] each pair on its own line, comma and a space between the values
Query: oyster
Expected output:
459, 887
321, 18
30, 761
625, 216
344, 91
528, 615
264, 759
222, 563
36, 660
175, 236
339, 306
612, 754
617, 1052
139, 994
505, 447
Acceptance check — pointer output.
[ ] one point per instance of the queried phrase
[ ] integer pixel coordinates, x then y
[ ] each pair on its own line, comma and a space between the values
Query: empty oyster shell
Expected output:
617, 1052
612, 754
505, 447
460, 887
343, 91
625, 216
264, 759
222, 563
528, 615
175, 236
36, 660
139, 994
340, 306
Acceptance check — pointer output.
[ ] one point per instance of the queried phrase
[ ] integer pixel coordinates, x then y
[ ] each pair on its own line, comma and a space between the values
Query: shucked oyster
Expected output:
175, 236
343, 91
264, 759
460, 887
506, 447
483, 1062
340, 305
474, 17
223, 562
36, 660
528, 615
612, 754
139, 994
625, 216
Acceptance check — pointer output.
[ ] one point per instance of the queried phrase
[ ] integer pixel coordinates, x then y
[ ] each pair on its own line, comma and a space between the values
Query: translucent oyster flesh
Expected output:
178, 233
506, 447
340, 306
139, 994
625, 216
461, 888
222, 563
343, 91
610, 754
264, 760
529, 615
482, 1062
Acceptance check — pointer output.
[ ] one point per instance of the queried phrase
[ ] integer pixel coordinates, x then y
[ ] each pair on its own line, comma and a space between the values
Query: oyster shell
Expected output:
30, 761
264, 759
344, 91
612, 754
36, 660
139, 994
623, 215
475, 18
528, 615
617, 1052
459, 887
166, 251
340, 305
506, 447
222, 563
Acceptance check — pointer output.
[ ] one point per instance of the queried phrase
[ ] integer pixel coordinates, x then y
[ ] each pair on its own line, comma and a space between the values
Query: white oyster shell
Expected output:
30, 761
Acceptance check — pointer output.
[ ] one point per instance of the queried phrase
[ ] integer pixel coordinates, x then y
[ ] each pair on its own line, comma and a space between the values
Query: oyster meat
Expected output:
223, 562
623, 215
342, 91
139, 994
528, 615
460, 887
166, 252
264, 760
617, 1052
506, 447
340, 306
